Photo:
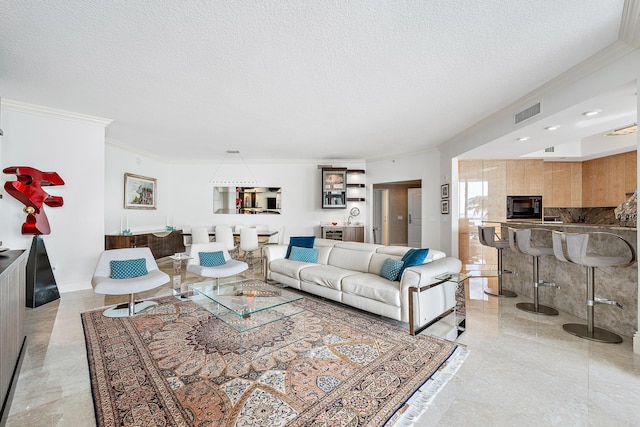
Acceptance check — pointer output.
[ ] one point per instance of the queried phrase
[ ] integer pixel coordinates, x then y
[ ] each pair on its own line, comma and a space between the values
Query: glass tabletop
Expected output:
453, 277
246, 304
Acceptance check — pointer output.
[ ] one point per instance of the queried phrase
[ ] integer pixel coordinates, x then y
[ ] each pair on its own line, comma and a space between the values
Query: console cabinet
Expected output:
161, 243
347, 233
13, 267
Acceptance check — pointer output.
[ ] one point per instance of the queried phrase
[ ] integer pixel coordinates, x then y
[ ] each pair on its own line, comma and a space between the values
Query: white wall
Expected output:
74, 148
120, 160
424, 166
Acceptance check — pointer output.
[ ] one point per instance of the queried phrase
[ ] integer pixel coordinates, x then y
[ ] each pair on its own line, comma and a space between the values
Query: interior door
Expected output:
381, 216
414, 217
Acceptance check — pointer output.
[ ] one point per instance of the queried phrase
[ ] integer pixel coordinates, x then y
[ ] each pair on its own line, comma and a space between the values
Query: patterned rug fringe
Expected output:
422, 398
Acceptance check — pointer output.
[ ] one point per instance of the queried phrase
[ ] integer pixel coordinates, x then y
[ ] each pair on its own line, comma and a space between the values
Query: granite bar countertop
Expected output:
552, 224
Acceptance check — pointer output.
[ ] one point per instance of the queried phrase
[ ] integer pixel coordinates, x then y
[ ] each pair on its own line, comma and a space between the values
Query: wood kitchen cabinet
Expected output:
525, 177
607, 181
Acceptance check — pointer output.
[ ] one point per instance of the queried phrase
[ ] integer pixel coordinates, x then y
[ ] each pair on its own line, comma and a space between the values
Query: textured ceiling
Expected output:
289, 78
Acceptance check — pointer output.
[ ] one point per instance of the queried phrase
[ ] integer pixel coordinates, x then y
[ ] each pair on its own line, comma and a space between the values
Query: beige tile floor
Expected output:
522, 370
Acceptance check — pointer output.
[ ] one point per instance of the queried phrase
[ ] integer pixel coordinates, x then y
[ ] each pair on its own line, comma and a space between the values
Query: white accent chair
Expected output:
199, 235
103, 283
230, 268
224, 235
249, 243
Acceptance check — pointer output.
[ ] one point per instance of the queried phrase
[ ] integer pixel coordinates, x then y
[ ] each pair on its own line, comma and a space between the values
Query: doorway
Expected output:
414, 217
395, 228
381, 216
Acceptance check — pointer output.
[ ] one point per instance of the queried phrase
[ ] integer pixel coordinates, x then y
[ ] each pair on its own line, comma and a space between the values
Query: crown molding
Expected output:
135, 150
23, 107
630, 24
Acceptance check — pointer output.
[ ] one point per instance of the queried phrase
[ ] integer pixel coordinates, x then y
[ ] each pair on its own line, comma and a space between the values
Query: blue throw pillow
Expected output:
412, 258
391, 268
129, 268
211, 259
301, 242
303, 254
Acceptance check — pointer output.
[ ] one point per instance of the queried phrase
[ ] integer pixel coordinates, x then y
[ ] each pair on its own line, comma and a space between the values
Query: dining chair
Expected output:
249, 243
199, 235
224, 235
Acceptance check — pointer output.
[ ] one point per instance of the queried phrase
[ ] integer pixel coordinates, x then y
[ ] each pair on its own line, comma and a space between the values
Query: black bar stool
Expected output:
487, 238
520, 241
572, 247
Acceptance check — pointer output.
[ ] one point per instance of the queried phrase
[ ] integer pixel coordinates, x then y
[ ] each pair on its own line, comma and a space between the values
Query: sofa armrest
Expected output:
436, 300
269, 253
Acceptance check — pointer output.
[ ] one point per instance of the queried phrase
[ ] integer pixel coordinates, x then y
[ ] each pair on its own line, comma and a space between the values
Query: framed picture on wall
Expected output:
444, 206
139, 192
444, 191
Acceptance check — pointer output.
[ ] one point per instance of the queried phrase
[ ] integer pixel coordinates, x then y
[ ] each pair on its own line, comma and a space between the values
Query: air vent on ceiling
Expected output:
549, 150
525, 114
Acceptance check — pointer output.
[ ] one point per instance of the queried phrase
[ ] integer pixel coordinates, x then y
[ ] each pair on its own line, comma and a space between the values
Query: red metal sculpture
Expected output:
28, 190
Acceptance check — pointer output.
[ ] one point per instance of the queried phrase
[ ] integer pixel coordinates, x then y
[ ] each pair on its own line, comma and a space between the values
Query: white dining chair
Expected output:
199, 235
224, 235
249, 243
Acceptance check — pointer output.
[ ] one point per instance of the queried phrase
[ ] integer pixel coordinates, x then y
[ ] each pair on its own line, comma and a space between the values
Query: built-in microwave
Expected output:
524, 207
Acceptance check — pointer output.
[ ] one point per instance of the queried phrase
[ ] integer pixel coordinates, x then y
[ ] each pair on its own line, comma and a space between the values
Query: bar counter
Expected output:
616, 283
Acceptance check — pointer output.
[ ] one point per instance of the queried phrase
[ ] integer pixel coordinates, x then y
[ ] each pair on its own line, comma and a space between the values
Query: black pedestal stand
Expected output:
41, 284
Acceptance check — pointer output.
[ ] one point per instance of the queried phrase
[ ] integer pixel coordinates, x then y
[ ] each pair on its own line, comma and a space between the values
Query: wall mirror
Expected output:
247, 200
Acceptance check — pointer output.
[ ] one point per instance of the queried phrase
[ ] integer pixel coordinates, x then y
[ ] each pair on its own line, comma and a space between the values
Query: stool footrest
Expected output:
598, 300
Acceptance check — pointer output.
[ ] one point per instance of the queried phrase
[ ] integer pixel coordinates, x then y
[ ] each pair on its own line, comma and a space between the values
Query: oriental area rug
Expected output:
177, 365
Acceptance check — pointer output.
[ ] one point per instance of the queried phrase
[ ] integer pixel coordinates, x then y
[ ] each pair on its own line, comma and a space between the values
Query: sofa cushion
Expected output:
325, 275
349, 259
301, 242
398, 251
391, 268
288, 268
373, 287
303, 254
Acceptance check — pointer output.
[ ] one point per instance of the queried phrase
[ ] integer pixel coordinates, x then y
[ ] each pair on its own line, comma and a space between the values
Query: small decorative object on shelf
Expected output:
627, 212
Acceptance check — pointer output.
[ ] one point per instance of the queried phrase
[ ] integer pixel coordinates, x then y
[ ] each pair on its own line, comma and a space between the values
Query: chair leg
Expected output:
589, 331
502, 293
132, 305
536, 307
129, 308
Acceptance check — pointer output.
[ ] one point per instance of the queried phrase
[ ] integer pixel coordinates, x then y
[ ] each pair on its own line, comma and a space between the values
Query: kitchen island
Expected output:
616, 283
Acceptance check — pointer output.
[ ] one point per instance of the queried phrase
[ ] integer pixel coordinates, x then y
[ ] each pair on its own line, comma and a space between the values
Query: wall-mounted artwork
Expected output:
139, 192
444, 191
444, 207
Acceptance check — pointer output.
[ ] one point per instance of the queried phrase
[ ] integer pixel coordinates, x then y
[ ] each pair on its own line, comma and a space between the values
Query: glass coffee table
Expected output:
246, 304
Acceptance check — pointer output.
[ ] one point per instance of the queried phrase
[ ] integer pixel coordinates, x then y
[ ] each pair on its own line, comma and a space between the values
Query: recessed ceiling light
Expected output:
628, 130
552, 127
590, 113
524, 138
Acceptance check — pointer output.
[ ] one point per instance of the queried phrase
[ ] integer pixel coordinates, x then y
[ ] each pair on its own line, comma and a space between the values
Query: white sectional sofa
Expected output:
349, 272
